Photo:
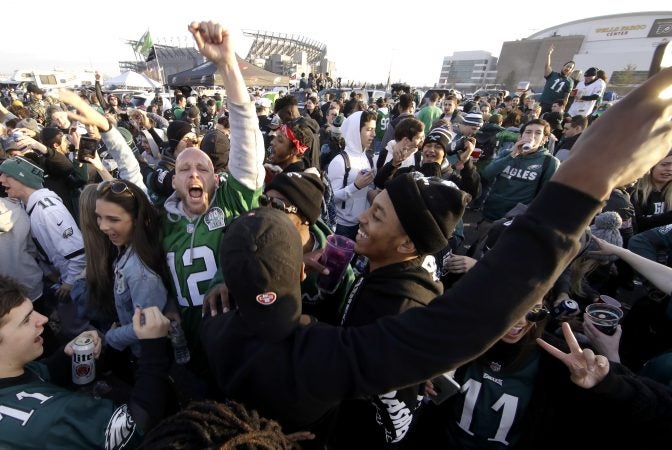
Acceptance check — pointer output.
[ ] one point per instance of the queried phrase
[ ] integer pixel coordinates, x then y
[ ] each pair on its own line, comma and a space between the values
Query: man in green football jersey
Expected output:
36, 412
203, 204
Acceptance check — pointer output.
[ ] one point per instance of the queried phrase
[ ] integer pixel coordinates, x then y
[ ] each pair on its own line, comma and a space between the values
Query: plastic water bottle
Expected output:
179, 341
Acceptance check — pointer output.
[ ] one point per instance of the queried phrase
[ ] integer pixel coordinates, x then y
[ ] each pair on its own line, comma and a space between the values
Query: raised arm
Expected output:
247, 144
129, 169
548, 69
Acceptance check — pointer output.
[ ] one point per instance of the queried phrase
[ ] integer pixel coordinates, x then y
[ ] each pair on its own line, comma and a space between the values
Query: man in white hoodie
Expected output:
351, 172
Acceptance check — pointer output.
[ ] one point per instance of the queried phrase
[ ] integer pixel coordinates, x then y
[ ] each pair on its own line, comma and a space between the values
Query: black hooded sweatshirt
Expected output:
386, 291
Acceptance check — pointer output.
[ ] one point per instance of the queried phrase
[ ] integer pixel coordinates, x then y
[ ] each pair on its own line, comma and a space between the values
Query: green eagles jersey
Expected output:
489, 411
382, 121
35, 414
556, 88
192, 248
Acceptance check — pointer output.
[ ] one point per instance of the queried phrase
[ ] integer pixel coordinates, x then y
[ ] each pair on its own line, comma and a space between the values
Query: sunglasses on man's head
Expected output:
266, 201
537, 314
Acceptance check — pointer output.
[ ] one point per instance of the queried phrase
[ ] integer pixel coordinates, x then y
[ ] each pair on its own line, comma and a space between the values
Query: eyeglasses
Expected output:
266, 201
117, 187
537, 314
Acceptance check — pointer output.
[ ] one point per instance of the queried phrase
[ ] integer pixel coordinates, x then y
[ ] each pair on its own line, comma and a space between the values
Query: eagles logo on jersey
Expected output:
119, 430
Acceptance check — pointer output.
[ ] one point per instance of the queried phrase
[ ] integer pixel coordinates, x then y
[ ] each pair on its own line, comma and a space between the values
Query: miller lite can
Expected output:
565, 308
83, 362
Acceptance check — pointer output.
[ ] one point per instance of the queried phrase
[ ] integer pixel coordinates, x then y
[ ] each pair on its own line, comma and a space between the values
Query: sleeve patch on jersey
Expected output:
67, 233
215, 218
119, 430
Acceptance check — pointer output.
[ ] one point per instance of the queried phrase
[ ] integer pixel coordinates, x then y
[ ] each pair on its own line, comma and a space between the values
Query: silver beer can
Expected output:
83, 362
565, 308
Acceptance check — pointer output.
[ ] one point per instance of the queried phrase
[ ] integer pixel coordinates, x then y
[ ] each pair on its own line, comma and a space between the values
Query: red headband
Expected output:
301, 149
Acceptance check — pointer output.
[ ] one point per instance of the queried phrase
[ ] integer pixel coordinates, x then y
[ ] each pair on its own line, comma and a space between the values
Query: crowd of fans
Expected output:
211, 215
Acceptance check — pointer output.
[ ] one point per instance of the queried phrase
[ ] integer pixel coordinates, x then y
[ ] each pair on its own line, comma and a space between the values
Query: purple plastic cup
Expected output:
604, 316
336, 257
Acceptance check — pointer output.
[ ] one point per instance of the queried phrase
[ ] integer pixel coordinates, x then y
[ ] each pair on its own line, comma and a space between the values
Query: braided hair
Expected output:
212, 425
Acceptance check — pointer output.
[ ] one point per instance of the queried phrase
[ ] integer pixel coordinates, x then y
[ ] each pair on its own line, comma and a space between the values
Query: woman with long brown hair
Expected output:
126, 262
652, 197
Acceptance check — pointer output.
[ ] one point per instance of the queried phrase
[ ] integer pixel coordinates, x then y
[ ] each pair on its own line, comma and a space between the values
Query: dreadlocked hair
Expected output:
212, 425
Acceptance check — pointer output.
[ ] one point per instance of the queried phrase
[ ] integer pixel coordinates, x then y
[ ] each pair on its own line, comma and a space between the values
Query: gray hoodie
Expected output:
17, 248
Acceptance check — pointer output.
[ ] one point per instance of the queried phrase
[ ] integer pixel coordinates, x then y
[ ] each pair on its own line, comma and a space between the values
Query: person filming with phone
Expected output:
351, 175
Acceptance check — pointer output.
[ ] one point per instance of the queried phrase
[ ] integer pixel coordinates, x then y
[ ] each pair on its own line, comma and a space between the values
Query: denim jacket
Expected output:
134, 284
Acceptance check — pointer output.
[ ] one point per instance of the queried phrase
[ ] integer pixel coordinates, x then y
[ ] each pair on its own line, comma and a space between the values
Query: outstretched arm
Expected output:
247, 144
548, 69
116, 144
658, 274
543, 240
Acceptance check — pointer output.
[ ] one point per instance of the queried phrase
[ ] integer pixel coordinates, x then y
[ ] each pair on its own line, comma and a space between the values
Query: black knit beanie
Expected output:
303, 190
441, 136
428, 209
176, 131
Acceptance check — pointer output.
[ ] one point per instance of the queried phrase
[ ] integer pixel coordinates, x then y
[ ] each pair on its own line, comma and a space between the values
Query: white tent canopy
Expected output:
131, 80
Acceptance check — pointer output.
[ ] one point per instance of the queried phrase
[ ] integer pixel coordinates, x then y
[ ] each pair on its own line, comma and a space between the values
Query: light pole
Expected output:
389, 72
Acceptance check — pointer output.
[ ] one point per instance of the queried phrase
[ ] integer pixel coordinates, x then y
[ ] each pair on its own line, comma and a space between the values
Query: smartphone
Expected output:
662, 58
445, 386
87, 148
